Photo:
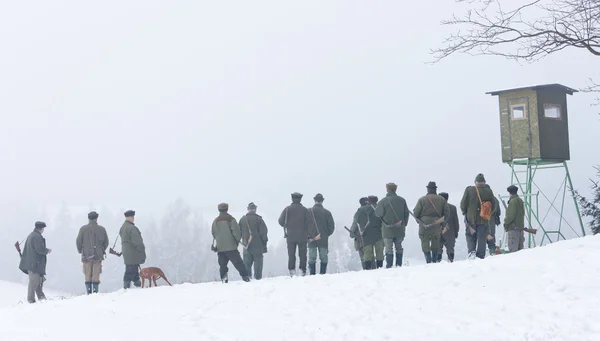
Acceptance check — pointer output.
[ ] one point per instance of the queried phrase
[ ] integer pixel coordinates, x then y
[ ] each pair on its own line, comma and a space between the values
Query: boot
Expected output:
323, 269
303, 272
95, 287
368, 265
439, 257
292, 273
224, 279
451, 257
126, 284
312, 268
137, 283
389, 260
379, 264
398, 259
88, 287
427, 257
246, 279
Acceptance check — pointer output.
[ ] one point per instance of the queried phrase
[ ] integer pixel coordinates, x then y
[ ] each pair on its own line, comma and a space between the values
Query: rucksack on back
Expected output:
486, 207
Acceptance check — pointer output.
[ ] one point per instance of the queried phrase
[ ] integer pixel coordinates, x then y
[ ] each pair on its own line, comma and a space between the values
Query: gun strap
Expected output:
394, 211
432, 205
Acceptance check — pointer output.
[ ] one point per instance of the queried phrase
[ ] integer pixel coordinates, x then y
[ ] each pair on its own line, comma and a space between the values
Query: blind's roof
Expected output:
554, 86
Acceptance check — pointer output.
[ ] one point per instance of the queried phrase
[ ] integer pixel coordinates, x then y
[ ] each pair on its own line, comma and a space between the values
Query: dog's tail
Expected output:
165, 277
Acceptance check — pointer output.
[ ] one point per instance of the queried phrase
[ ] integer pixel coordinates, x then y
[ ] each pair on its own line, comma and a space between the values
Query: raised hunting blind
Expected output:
534, 135
534, 122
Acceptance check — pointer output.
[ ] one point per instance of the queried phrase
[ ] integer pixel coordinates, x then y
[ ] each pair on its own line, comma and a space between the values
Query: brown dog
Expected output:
152, 274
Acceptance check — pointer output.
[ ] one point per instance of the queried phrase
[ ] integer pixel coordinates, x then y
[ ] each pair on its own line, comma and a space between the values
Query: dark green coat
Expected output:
34, 254
320, 221
294, 219
515, 213
369, 224
92, 242
430, 208
132, 244
453, 223
469, 205
227, 232
253, 225
391, 210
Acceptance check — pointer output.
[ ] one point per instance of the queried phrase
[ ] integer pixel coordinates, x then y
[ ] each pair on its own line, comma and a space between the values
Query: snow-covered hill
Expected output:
548, 293
13, 293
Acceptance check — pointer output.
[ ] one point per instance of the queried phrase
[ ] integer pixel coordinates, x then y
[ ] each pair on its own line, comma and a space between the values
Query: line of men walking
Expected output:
379, 225
379, 228
306, 231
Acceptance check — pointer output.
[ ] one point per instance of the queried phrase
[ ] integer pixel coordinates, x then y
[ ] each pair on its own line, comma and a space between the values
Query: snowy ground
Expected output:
548, 293
12, 294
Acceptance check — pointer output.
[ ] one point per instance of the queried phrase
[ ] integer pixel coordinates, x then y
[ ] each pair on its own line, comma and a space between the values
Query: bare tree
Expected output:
528, 32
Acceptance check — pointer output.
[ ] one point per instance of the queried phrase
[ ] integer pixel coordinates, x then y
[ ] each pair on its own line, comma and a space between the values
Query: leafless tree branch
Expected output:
520, 34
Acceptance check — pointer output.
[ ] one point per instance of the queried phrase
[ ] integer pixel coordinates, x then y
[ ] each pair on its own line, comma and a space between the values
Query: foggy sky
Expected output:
133, 104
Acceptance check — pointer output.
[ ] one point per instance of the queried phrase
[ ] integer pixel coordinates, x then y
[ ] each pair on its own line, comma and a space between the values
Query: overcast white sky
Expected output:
133, 104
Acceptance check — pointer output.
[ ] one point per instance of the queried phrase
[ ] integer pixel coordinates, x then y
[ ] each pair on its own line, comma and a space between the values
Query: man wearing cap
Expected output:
354, 231
227, 234
254, 239
514, 220
449, 232
321, 225
134, 250
92, 242
369, 226
294, 220
393, 212
33, 262
429, 209
476, 228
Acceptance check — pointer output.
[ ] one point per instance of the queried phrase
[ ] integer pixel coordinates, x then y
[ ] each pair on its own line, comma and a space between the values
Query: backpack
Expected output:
485, 211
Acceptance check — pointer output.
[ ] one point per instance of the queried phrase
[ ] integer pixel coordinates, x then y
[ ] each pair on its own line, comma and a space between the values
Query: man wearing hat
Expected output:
393, 212
33, 262
449, 232
134, 250
514, 220
321, 225
476, 228
294, 220
92, 242
429, 209
354, 231
227, 234
369, 226
254, 239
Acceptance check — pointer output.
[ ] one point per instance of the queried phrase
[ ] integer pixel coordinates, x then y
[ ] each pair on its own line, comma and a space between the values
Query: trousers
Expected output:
257, 261
235, 258
477, 242
291, 247
374, 251
312, 254
92, 271
35, 287
516, 240
131, 275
